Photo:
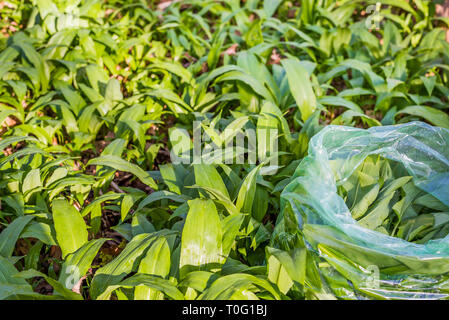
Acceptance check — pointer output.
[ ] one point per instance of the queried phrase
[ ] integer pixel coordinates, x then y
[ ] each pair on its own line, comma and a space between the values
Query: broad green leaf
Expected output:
7, 272
10, 140
78, 263
207, 176
227, 287
71, 230
154, 282
42, 231
231, 227
198, 280
156, 262
58, 288
201, 242
300, 87
278, 275
247, 191
103, 198
32, 181
434, 116
126, 262
118, 163
159, 195
113, 91
10, 235
140, 224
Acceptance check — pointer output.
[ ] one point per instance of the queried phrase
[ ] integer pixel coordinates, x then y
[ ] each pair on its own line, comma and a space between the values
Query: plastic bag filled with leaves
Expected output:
366, 214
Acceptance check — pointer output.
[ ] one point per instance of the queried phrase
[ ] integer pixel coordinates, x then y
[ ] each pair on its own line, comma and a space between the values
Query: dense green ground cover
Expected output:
94, 95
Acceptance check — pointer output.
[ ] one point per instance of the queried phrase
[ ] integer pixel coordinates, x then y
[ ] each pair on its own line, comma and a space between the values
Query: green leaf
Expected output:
103, 198
58, 288
293, 263
97, 76
434, 116
278, 275
10, 235
113, 91
247, 191
118, 163
174, 68
270, 6
32, 181
140, 224
71, 230
362, 204
40, 230
126, 262
159, 195
227, 287
78, 263
231, 227
339, 101
7, 273
246, 79
154, 282
300, 87
201, 242
198, 280
10, 140
156, 262
207, 176
254, 35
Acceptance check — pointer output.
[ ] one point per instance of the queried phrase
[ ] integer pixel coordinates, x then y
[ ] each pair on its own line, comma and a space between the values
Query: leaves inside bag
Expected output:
382, 196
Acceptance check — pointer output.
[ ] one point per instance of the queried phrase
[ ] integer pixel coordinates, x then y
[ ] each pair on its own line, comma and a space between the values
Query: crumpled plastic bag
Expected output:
346, 260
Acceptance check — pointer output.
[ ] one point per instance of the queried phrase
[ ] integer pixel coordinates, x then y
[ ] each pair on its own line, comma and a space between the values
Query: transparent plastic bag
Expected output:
346, 260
